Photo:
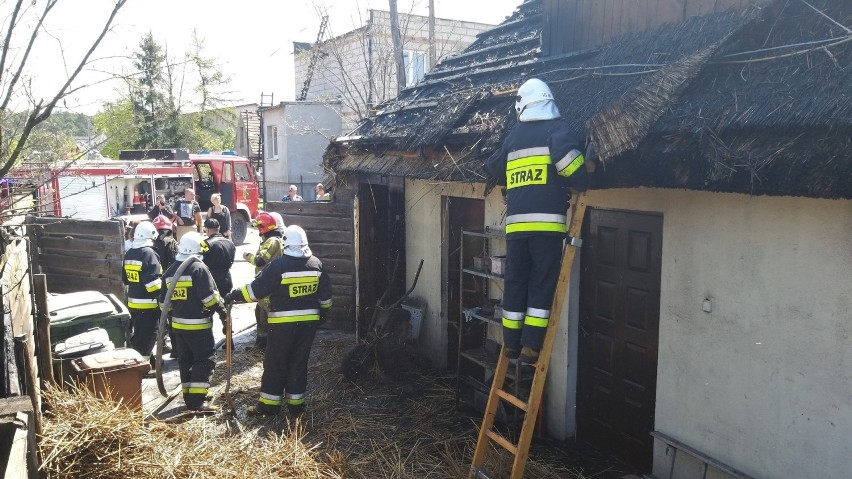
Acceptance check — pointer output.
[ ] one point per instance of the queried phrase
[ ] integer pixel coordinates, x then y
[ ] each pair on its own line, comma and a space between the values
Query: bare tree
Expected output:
396, 39
358, 68
15, 77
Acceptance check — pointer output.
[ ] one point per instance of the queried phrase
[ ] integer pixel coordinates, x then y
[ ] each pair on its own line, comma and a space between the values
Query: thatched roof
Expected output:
756, 101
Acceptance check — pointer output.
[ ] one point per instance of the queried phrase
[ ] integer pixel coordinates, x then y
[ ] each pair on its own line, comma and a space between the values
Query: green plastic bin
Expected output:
75, 313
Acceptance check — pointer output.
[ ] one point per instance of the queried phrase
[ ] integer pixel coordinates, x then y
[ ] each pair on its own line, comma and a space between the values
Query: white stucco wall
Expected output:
304, 130
764, 381
423, 223
423, 240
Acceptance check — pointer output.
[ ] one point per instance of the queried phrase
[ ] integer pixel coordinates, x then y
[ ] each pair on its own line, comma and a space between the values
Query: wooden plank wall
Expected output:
329, 228
574, 25
17, 308
79, 255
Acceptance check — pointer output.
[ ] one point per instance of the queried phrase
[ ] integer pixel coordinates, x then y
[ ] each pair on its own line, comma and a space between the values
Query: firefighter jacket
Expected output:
142, 273
534, 162
195, 293
297, 288
166, 249
218, 253
268, 250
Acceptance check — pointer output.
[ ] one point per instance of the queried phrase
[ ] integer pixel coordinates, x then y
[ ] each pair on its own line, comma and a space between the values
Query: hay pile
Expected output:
86, 437
409, 428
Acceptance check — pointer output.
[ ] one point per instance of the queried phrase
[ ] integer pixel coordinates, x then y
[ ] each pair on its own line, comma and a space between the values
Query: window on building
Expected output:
242, 135
415, 66
242, 172
271, 142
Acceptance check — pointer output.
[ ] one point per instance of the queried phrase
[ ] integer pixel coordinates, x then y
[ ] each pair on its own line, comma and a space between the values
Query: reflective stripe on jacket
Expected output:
533, 163
141, 272
268, 250
297, 288
194, 294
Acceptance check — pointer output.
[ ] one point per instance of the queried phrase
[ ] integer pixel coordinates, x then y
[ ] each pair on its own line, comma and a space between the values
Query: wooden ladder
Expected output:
530, 408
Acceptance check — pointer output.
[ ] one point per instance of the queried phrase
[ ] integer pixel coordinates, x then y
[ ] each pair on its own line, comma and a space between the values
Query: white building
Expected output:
357, 67
295, 135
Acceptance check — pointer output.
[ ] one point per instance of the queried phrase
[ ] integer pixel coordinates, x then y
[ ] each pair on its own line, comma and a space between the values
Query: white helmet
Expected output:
144, 235
296, 242
190, 245
279, 221
532, 91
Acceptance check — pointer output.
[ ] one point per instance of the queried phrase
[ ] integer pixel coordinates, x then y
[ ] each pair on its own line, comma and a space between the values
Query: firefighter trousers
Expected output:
261, 315
285, 364
195, 352
532, 270
144, 336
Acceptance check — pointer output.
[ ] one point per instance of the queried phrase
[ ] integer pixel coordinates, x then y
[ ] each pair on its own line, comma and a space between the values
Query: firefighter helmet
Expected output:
279, 222
264, 223
532, 91
296, 242
190, 245
144, 235
162, 223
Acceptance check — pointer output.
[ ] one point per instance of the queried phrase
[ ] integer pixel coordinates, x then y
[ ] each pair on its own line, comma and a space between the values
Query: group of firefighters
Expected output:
291, 289
540, 161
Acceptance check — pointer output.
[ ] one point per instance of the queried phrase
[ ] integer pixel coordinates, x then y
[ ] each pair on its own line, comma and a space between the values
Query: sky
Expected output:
252, 40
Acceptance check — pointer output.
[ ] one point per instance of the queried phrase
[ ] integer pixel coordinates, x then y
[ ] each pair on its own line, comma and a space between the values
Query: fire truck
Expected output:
128, 187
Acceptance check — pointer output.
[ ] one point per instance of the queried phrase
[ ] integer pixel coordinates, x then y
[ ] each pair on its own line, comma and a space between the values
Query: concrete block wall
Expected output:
342, 73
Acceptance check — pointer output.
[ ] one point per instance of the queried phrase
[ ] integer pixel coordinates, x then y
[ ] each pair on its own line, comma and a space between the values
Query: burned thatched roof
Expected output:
737, 101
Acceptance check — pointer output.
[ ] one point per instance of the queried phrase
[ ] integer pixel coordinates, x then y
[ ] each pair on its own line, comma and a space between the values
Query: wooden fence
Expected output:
79, 255
20, 405
329, 227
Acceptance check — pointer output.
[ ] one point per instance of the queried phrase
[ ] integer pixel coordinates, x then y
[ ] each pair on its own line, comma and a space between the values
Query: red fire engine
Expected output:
109, 189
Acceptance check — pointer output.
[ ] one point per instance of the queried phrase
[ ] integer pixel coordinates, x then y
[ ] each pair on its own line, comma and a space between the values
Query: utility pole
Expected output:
433, 57
397, 46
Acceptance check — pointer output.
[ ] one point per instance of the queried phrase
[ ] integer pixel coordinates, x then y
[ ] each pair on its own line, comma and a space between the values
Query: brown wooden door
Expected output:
619, 332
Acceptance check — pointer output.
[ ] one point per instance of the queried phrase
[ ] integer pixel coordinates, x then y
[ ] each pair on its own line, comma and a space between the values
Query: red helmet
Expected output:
162, 223
264, 222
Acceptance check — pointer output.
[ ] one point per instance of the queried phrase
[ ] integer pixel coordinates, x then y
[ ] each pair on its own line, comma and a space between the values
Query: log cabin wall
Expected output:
575, 25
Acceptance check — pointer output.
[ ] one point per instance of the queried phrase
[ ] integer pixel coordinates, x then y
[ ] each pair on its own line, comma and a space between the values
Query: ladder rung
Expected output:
502, 441
513, 400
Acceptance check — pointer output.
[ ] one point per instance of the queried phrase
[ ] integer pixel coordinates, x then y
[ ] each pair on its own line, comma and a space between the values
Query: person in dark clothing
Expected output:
167, 249
218, 253
300, 295
539, 161
220, 213
194, 296
165, 244
162, 208
142, 275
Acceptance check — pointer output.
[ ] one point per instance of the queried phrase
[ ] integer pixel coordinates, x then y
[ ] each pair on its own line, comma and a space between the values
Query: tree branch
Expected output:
39, 114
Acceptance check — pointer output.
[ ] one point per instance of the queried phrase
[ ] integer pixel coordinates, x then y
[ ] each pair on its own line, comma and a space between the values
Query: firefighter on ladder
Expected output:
271, 230
192, 302
142, 275
300, 296
539, 160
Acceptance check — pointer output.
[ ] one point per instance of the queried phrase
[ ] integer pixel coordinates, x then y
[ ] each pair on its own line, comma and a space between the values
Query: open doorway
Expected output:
460, 214
381, 243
